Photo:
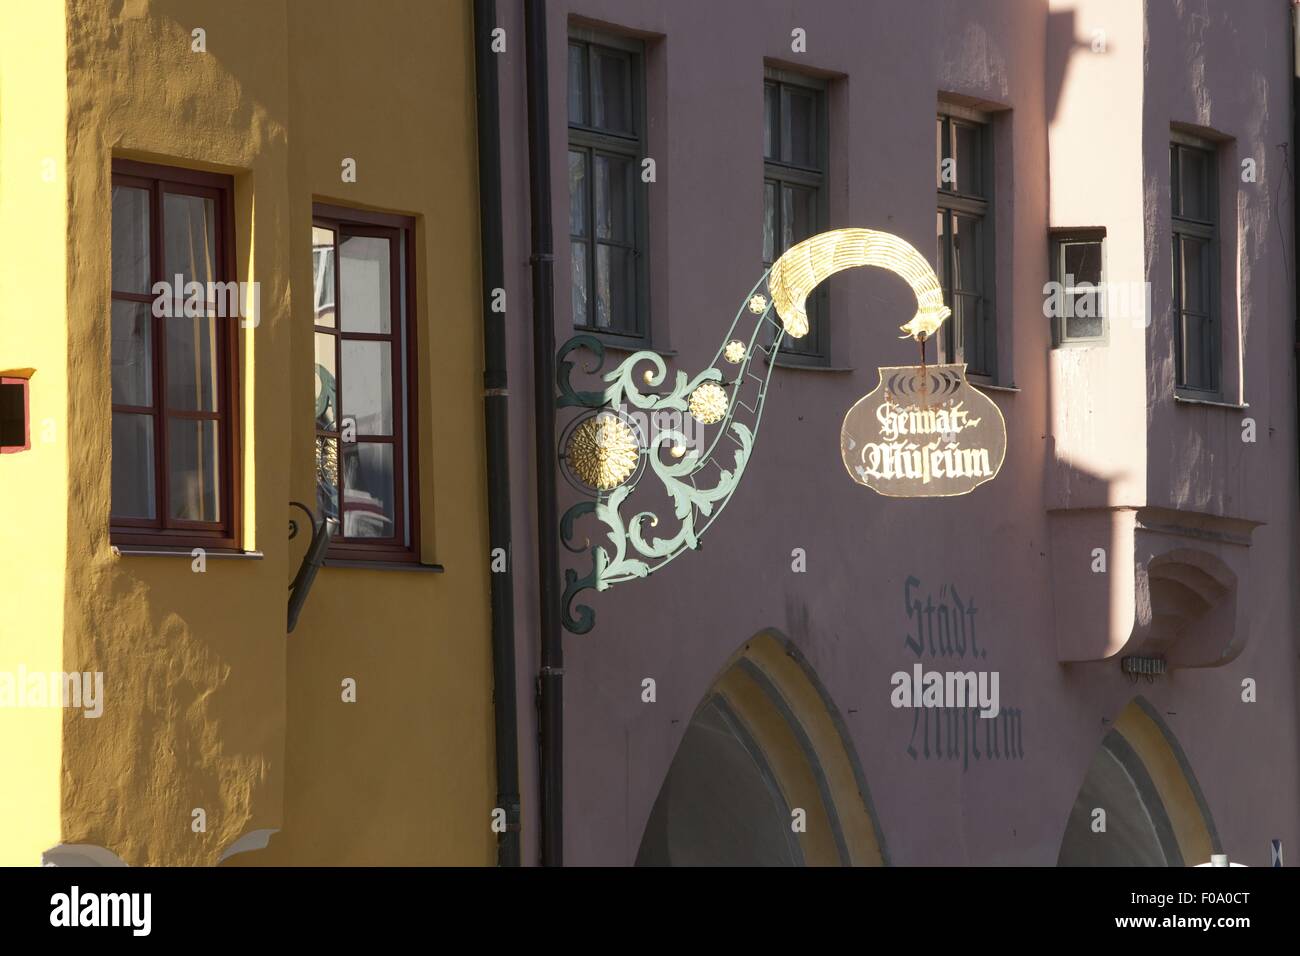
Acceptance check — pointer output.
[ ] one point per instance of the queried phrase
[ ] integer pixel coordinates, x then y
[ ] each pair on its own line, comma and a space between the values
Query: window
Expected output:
15, 420
794, 190
174, 328
1194, 208
365, 406
964, 231
1078, 305
607, 209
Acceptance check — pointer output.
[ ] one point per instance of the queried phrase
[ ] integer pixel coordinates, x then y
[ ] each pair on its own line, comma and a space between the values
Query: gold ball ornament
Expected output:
757, 304
603, 451
735, 352
708, 403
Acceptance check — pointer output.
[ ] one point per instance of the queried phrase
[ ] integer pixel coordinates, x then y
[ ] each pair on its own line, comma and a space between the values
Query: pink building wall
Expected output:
1094, 436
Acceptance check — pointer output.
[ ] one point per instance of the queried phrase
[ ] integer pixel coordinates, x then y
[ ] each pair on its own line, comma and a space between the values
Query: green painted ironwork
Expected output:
700, 483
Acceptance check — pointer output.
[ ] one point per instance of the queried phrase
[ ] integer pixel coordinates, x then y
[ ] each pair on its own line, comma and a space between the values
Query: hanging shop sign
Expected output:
923, 431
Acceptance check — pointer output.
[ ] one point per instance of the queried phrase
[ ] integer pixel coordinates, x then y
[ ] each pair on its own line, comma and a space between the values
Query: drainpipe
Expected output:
550, 682
497, 428
1295, 185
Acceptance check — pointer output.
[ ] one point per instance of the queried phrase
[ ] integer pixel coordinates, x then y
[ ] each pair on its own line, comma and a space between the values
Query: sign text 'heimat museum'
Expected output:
923, 432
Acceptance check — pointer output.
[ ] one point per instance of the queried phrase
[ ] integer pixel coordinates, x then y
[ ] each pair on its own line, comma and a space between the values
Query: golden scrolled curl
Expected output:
805, 264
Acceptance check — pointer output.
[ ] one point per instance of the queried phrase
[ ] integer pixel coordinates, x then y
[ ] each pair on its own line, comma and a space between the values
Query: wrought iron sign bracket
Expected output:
321, 534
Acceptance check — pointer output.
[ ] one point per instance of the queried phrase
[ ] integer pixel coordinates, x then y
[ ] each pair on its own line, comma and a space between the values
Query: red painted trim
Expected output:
27, 416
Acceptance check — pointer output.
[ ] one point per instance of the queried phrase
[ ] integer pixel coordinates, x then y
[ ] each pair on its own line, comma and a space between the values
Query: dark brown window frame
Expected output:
162, 530
814, 349
403, 547
1186, 228
953, 203
591, 140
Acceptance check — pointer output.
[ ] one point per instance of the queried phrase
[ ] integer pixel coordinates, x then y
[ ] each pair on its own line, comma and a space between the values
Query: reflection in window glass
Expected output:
365, 284
131, 238
368, 490
193, 458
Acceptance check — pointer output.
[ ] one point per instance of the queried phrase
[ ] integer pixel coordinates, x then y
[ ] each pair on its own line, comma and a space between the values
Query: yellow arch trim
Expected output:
804, 265
1152, 746
775, 657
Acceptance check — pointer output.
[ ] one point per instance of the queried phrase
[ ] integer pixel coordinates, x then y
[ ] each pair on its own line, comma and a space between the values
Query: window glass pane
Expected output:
578, 252
611, 97
939, 153
966, 309
967, 253
613, 288
799, 126
1194, 184
798, 214
365, 284
771, 129
941, 250
577, 193
969, 160
613, 197
367, 397
132, 354
193, 460
1079, 326
191, 348
327, 403
577, 84
769, 223
190, 235
322, 262
1193, 342
1082, 263
1196, 274
133, 474
130, 239
327, 478
368, 490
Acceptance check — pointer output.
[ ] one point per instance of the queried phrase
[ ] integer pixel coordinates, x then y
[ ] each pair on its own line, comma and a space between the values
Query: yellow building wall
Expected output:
33, 483
209, 704
405, 775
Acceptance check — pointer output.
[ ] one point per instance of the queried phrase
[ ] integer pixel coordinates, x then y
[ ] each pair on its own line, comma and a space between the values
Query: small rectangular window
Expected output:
1193, 186
15, 416
1077, 303
608, 235
364, 383
964, 238
794, 190
174, 370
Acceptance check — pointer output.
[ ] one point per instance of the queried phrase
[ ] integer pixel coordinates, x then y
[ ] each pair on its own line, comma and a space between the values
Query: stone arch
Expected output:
1156, 814
765, 741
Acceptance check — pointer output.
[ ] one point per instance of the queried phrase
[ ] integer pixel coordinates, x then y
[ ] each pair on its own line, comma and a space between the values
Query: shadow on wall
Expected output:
1139, 804
765, 775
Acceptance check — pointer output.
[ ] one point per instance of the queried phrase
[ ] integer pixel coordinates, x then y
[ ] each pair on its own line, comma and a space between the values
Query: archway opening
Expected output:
765, 775
1139, 803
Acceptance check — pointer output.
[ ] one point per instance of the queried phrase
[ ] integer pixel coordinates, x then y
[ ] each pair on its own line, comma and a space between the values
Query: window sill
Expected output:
384, 565
1210, 403
781, 361
133, 551
630, 347
990, 387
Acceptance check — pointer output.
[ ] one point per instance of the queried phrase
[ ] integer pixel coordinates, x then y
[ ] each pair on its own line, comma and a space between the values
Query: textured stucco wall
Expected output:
209, 704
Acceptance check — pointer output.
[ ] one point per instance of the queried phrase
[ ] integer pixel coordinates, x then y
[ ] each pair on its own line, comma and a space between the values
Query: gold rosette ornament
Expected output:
708, 403
603, 451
